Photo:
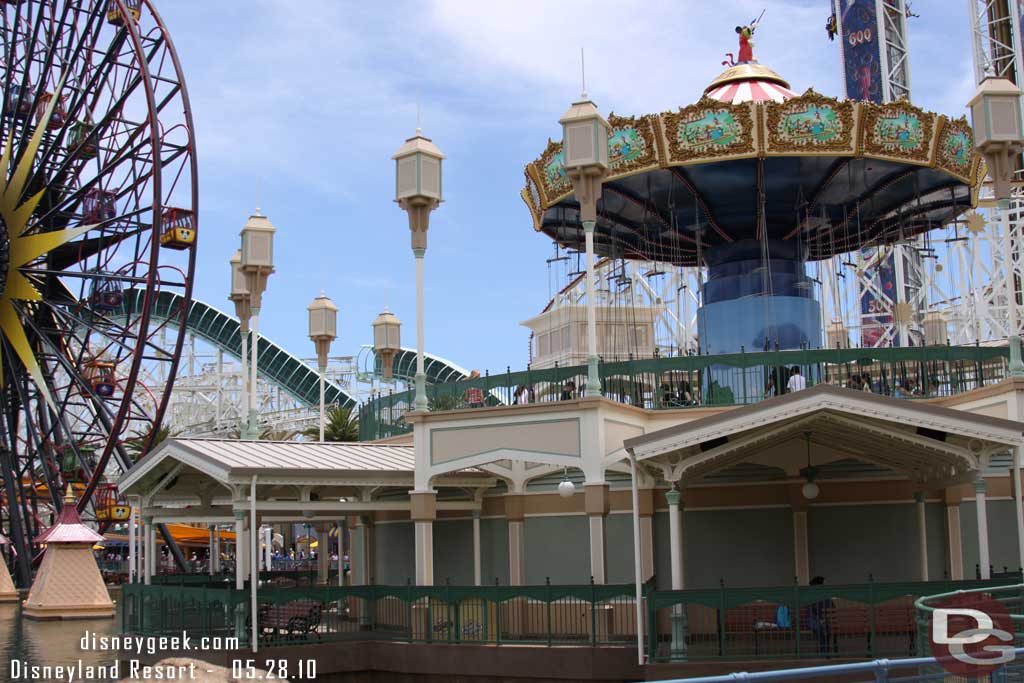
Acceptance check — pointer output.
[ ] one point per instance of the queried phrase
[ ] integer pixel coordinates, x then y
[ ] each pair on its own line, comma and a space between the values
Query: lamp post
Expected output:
585, 151
323, 329
387, 341
257, 264
240, 298
999, 136
418, 192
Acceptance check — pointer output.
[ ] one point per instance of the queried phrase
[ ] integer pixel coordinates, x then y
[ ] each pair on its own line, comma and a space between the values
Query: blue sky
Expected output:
299, 105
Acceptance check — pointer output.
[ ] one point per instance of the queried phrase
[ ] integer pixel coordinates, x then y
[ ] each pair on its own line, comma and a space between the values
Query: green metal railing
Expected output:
720, 380
539, 615
851, 621
1008, 599
790, 622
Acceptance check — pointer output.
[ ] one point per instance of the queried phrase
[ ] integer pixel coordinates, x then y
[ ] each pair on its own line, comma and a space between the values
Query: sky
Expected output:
298, 107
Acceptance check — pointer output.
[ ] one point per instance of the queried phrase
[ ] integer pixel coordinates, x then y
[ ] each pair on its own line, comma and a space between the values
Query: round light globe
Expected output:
566, 488
810, 490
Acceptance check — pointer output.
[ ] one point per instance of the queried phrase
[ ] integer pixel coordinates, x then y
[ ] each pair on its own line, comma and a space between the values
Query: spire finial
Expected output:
419, 114
259, 191
583, 75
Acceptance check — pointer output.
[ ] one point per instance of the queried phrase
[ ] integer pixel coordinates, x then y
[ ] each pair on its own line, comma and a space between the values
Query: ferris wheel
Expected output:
98, 203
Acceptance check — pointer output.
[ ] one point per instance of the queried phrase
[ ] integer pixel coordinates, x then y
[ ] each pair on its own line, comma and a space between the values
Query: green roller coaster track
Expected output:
275, 364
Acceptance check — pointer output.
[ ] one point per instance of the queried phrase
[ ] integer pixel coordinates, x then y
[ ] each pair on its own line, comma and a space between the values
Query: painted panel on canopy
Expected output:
955, 148
709, 131
898, 131
632, 145
811, 124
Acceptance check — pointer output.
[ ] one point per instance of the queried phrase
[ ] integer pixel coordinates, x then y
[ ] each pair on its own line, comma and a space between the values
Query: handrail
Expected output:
706, 381
878, 666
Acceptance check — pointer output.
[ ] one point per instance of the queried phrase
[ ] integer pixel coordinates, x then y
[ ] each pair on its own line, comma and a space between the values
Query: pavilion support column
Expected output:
423, 510
675, 531
364, 567
800, 546
954, 542
323, 555
514, 513
596, 504
133, 556
342, 537
215, 550
1018, 455
922, 535
209, 560
980, 489
239, 549
646, 533
148, 544
476, 549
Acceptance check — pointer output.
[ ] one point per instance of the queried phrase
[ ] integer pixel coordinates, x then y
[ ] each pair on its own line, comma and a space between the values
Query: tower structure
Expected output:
891, 293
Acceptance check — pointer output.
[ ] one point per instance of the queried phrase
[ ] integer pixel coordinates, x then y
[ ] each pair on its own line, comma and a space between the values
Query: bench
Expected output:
291, 620
855, 620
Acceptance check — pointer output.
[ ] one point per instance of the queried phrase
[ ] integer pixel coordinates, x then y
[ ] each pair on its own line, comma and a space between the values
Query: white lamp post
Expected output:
585, 150
999, 136
323, 329
418, 192
387, 340
240, 297
257, 264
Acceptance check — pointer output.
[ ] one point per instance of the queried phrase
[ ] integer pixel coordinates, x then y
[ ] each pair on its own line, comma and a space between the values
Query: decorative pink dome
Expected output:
749, 82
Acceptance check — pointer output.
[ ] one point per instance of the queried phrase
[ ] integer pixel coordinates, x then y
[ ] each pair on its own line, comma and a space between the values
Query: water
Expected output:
50, 643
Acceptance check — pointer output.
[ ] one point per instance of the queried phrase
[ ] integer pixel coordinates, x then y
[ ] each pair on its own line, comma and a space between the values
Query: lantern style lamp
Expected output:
257, 265
998, 129
418, 192
585, 152
999, 136
387, 340
323, 329
257, 256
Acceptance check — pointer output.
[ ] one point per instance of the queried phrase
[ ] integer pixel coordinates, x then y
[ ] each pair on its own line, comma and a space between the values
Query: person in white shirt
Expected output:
796, 381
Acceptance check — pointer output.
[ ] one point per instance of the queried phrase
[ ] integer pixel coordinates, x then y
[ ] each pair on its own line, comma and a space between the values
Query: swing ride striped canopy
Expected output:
749, 83
752, 161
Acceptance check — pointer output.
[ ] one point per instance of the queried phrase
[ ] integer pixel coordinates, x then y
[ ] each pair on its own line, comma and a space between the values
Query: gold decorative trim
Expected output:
632, 145
898, 130
710, 130
531, 195
810, 124
555, 186
954, 148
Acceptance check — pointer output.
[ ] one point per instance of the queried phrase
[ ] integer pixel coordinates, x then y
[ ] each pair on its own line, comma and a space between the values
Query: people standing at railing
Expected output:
796, 381
568, 391
818, 614
771, 385
523, 394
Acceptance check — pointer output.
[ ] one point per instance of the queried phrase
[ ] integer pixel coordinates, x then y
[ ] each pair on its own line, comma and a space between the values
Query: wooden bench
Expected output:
856, 620
291, 620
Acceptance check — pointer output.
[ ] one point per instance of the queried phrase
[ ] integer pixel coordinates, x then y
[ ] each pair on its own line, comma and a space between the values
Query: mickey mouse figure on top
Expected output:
746, 54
